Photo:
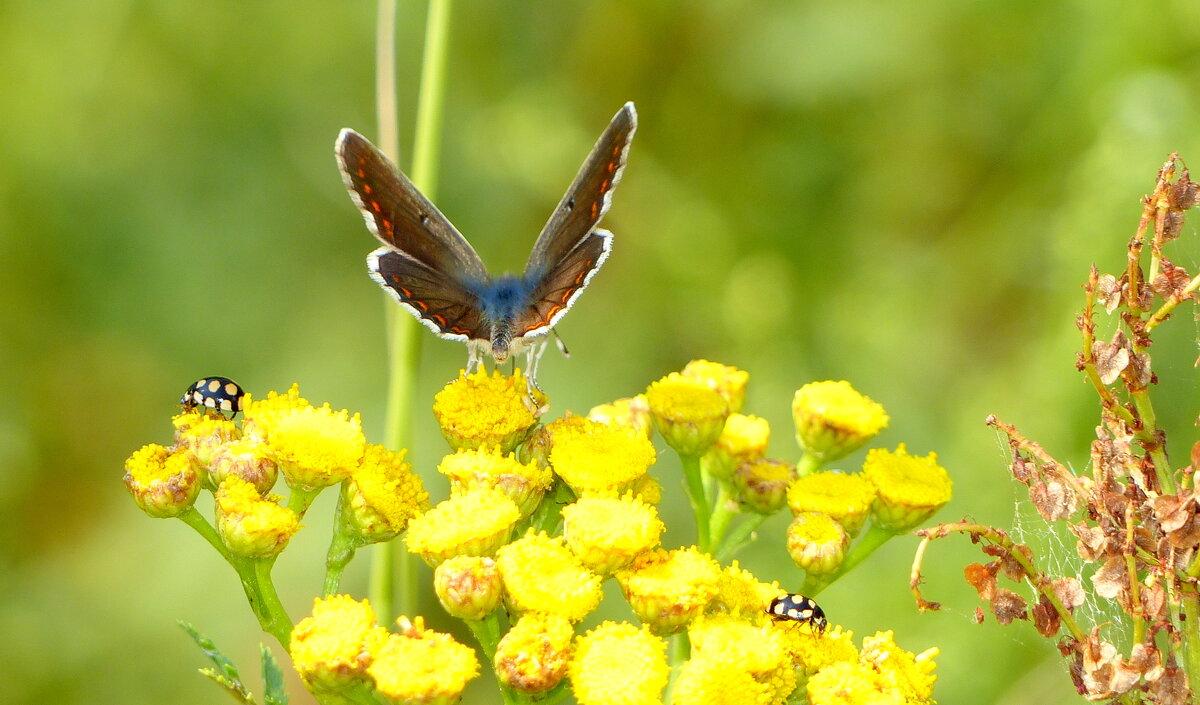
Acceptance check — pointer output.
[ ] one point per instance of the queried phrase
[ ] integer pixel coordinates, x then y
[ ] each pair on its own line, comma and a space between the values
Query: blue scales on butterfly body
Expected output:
431, 269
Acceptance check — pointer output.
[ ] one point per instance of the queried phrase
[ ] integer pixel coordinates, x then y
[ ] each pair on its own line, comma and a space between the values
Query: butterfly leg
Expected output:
474, 359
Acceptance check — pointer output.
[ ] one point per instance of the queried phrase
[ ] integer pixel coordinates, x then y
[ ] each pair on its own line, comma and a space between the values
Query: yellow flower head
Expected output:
255, 409
382, 495
668, 589
712, 681
812, 650
596, 458
910, 674
743, 440
541, 574
316, 447
846, 498
833, 420
758, 651
332, 648
647, 489
477, 409
203, 434
633, 411
851, 684
687, 412
911, 488
533, 656
607, 533
523, 483
251, 525
817, 543
762, 484
619, 664
729, 382
164, 483
469, 587
473, 523
742, 595
249, 459
419, 665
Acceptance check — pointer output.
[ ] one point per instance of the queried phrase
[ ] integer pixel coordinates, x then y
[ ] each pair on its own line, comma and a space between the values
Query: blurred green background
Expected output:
904, 195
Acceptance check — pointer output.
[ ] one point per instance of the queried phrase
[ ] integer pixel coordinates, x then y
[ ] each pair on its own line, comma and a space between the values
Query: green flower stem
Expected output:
341, 549
875, 537
681, 649
404, 336
273, 618
196, 520
1191, 627
300, 500
699, 500
723, 512
742, 536
487, 633
808, 464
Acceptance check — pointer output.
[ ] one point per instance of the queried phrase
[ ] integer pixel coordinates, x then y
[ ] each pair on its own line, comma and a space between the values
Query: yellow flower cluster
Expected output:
281, 434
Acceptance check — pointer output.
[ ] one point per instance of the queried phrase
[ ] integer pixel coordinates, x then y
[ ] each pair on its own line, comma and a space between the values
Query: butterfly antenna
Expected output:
562, 347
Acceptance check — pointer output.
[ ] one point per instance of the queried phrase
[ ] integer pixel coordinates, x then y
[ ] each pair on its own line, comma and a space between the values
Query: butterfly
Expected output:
431, 269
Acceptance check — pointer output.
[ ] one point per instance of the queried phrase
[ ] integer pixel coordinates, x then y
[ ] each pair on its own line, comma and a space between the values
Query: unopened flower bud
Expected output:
911, 488
817, 543
762, 484
634, 411
533, 656
250, 525
469, 587
247, 458
833, 420
729, 382
164, 483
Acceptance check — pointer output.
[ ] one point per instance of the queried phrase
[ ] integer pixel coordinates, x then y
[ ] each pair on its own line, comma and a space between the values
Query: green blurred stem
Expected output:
404, 336
300, 500
487, 633
1152, 440
681, 649
273, 618
741, 537
698, 499
808, 464
1191, 627
871, 541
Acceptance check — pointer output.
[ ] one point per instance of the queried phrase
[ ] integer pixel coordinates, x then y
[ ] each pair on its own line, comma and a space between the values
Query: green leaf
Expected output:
225, 674
273, 692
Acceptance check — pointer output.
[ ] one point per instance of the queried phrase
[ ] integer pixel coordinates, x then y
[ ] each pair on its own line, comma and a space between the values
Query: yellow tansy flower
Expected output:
249, 459
910, 674
469, 587
332, 648
478, 409
851, 684
817, 543
846, 498
541, 574
163, 483
382, 495
523, 483
833, 420
647, 489
761, 485
592, 457
255, 409
759, 651
473, 523
203, 435
812, 651
316, 447
729, 382
419, 665
668, 589
911, 488
687, 412
742, 595
744, 439
533, 656
251, 525
607, 533
619, 664
633, 411
712, 681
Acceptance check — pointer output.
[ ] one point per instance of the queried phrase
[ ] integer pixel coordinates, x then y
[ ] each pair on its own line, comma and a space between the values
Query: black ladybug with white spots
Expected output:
217, 393
798, 608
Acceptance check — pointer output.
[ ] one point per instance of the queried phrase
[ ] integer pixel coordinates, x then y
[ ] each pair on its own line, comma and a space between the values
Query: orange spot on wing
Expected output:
375, 206
437, 318
387, 225
366, 188
361, 174
595, 209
